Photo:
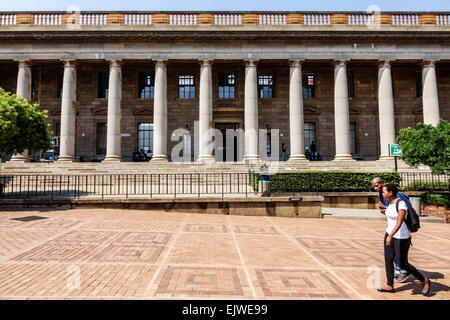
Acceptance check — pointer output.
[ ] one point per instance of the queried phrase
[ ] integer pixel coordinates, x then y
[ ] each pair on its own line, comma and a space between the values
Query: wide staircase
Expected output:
98, 168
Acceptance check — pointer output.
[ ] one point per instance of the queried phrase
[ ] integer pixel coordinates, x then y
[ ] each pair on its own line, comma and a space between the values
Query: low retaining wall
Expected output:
296, 207
354, 200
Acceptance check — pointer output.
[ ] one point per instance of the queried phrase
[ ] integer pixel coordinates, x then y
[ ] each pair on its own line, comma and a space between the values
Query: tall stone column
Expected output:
341, 112
251, 112
114, 135
160, 112
430, 94
68, 112
24, 91
205, 112
296, 119
385, 109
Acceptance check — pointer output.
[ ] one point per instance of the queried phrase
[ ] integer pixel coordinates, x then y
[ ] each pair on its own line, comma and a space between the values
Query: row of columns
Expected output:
341, 105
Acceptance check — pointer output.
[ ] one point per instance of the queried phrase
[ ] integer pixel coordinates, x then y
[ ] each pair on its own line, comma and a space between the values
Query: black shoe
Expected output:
425, 292
384, 290
403, 277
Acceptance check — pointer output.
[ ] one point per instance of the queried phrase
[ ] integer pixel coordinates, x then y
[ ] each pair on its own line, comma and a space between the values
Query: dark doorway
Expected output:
222, 127
101, 138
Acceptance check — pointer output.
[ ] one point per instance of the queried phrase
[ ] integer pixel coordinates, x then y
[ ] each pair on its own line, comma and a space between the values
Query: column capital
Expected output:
428, 63
115, 63
340, 62
206, 63
385, 63
69, 62
251, 62
24, 63
161, 63
296, 63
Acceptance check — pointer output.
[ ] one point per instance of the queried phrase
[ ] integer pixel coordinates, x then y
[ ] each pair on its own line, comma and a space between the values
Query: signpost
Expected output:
396, 152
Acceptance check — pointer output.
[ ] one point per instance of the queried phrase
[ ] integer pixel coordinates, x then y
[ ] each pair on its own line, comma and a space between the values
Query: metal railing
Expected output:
127, 185
424, 181
182, 185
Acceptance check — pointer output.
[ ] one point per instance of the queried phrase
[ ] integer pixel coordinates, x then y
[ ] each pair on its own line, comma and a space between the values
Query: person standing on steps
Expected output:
313, 149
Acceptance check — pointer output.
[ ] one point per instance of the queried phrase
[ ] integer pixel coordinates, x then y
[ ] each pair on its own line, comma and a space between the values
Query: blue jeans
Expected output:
283, 156
397, 267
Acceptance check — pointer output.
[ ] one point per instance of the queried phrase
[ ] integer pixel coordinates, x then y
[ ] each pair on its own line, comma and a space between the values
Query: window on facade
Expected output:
419, 89
309, 131
103, 84
146, 85
186, 86
226, 86
350, 84
352, 137
101, 138
265, 86
60, 85
145, 136
308, 86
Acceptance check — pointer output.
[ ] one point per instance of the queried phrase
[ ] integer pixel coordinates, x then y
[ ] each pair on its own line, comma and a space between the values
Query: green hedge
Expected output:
427, 186
325, 181
436, 199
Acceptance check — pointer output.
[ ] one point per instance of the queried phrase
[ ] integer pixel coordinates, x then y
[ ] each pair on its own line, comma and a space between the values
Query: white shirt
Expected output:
391, 214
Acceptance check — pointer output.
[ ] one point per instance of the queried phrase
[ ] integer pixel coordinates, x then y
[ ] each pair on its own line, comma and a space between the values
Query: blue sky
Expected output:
225, 5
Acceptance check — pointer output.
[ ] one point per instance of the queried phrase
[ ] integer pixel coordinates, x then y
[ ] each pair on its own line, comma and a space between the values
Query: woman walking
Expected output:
397, 241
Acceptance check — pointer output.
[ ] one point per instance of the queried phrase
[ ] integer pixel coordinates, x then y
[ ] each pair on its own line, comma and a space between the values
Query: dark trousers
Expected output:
399, 248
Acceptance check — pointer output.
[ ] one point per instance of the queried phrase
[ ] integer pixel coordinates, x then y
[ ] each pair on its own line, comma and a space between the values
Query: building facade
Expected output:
117, 82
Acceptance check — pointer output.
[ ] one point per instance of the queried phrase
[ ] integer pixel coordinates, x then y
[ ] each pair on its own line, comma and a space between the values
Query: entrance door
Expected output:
233, 148
101, 138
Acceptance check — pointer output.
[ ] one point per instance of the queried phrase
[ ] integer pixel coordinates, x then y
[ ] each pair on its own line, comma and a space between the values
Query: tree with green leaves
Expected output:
427, 145
22, 125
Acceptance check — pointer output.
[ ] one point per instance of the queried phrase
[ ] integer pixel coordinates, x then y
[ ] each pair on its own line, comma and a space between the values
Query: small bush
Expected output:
436, 199
328, 181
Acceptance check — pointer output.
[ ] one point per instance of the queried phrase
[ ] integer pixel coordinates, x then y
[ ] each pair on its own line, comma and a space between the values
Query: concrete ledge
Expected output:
298, 207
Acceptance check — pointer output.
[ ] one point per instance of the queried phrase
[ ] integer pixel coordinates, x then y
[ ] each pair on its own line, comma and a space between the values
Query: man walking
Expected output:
377, 185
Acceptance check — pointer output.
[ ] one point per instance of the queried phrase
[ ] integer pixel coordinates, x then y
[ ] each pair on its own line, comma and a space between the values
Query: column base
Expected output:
297, 158
251, 158
159, 158
112, 159
19, 158
206, 158
386, 158
66, 159
343, 157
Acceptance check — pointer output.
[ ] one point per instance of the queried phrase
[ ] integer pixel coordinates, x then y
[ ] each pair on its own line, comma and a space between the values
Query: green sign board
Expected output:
394, 150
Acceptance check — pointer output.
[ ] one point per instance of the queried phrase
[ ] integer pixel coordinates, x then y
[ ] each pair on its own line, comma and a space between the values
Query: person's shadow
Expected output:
413, 284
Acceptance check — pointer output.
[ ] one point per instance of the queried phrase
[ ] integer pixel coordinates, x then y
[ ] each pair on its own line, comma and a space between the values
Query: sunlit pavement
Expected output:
132, 254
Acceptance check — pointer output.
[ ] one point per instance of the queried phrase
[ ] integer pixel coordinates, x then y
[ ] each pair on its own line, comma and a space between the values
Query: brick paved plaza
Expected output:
158, 255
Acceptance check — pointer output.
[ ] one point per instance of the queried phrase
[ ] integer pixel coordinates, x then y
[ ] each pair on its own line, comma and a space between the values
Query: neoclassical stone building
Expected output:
116, 82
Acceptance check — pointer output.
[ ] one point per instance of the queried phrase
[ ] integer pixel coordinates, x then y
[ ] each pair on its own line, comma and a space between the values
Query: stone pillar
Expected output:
341, 112
114, 135
160, 112
430, 94
24, 91
296, 120
251, 112
68, 112
205, 112
385, 109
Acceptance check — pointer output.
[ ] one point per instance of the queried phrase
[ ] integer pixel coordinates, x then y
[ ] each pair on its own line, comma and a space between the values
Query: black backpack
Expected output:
412, 219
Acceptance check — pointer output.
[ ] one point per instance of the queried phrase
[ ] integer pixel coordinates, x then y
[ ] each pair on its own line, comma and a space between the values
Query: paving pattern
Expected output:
133, 254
